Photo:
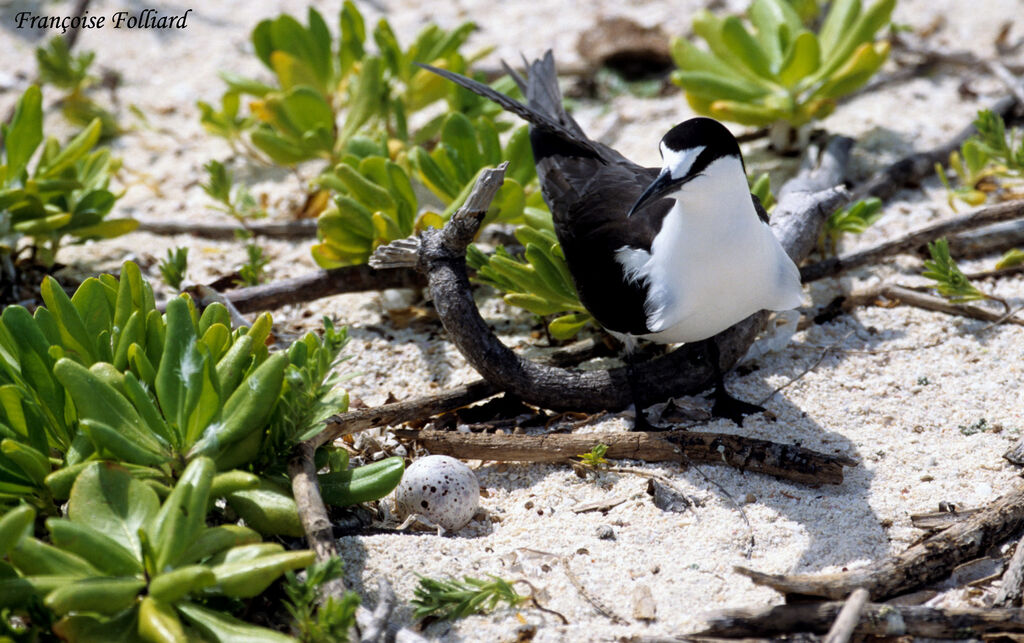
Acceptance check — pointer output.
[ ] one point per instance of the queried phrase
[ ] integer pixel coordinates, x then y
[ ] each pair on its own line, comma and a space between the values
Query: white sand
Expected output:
894, 392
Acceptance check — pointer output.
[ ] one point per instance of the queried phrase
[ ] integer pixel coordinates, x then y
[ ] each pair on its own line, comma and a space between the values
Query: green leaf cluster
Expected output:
991, 160
854, 218
174, 266
121, 563
772, 69
59, 68
377, 197
594, 459
326, 90
950, 282
65, 193
234, 200
539, 280
450, 598
102, 375
320, 623
311, 394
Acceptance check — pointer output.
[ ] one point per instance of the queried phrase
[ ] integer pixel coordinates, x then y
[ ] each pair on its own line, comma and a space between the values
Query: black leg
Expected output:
640, 423
726, 406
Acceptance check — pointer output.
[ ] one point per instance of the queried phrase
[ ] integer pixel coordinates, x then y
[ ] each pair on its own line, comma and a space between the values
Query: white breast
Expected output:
713, 263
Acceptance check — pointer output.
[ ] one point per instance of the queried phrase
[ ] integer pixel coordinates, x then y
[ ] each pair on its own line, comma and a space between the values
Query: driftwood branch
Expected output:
927, 302
930, 560
747, 454
914, 168
322, 283
875, 620
406, 411
1012, 587
798, 217
989, 240
298, 229
914, 240
849, 616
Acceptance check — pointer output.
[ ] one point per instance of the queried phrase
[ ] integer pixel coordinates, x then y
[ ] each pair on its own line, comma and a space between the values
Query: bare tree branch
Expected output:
399, 412
848, 618
914, 240
298, 229
876, 619
322, 283
916, 167
926, 302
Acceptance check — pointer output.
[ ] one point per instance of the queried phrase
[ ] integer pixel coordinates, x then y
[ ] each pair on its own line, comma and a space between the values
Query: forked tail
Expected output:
543, 108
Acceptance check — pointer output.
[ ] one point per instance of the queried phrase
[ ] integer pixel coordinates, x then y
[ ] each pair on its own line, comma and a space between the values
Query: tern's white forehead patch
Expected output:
679, 162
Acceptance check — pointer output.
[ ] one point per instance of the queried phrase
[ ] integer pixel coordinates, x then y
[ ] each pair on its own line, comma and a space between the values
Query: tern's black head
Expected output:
687, 150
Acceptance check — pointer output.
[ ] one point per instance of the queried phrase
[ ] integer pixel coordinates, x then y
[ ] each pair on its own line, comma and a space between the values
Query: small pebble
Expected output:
605, 532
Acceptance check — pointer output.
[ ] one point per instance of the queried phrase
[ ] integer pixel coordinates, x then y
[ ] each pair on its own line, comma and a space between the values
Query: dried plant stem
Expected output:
914, 240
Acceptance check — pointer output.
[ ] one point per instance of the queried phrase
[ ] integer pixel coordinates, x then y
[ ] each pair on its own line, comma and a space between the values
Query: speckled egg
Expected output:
440, 488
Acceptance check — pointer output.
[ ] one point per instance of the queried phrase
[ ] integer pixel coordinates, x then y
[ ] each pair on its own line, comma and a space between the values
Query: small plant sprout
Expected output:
774, 72
594, 459
761, 187
949, 280
452, 599
234, 200
854, 218
317, 622
1010, 259
59, 68
251, 273
174, 266
990, 162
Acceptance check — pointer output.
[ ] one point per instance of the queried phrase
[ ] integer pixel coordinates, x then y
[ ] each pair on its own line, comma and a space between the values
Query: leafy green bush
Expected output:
103, 375
377, 201
66, 192
121, 564
328, 91
776, 72
539, 281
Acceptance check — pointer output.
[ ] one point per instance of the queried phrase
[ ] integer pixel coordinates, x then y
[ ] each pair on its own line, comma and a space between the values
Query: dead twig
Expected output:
848, 618
597, 603
930, 560
783, 461
875, 620
299, 229
1012, 588
399, 412
996, 273
537, 603
914, 240
915, 167
928, 302
988, 240
322, 283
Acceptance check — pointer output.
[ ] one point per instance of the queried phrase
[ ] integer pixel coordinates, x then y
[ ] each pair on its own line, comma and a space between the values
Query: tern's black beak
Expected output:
661, 186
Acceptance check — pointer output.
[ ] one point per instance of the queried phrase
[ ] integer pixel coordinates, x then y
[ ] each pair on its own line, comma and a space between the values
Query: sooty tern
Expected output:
676, 254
